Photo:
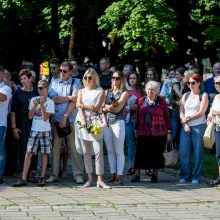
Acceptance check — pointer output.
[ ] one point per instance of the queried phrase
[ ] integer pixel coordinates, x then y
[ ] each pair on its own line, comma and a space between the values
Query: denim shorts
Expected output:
39, 139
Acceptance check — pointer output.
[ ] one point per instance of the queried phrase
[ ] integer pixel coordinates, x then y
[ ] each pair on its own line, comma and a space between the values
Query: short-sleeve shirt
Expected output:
38, 124
105, 81
6, 90
60, 88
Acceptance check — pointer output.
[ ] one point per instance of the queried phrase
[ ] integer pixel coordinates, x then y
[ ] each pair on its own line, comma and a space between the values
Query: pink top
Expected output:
152, 119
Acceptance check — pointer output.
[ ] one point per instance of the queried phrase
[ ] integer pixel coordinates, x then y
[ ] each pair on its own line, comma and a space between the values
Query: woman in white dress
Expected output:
89, 102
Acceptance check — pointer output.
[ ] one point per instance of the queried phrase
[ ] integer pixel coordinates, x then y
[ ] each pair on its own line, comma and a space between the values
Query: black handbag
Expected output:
62, 132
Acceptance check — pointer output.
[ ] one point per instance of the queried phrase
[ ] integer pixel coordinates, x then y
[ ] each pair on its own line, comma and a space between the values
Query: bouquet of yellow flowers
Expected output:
91, 128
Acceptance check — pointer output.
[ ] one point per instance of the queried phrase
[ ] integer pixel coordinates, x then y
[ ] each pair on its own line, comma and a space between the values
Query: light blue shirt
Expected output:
60, 88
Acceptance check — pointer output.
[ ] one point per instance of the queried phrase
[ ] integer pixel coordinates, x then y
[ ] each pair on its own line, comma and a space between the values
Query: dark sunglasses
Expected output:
40, 88
192, 83
116, 78
63, 71
88, 77
217, 83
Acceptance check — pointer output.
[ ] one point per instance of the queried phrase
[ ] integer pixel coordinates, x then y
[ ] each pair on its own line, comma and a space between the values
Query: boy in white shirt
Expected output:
40, 109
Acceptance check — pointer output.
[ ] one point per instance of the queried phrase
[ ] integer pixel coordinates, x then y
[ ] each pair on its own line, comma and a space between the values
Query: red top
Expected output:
152, 119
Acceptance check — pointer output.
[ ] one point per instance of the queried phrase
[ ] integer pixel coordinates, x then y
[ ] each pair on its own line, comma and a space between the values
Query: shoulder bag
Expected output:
209, 135
170, 154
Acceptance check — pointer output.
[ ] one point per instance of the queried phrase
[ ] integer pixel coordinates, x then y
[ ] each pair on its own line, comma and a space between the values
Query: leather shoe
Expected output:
216, 182
88, 184
154, 179
135, 179
103, 185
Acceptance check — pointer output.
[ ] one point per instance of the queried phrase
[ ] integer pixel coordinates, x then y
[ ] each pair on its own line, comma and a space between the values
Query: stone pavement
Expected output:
66, 200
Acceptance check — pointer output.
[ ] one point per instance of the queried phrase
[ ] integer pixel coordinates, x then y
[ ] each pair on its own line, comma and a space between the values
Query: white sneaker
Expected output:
182, 181
51, 179
79, 179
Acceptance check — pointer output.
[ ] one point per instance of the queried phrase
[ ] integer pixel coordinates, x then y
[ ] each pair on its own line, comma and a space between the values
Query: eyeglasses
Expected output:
116, 78
88, 77
217, 83
63, 71
192, 83
40, 88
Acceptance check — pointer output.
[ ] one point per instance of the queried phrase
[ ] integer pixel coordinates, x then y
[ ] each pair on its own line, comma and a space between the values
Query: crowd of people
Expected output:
51, 118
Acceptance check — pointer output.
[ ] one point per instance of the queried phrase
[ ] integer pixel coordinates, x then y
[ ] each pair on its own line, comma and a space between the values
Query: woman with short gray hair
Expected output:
153, 130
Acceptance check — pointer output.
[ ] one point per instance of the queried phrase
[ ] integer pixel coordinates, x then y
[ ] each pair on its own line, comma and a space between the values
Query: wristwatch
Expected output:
188, 118
65, 115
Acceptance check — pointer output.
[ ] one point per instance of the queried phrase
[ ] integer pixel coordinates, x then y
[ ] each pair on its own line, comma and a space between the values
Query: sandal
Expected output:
42, 181
131, 172
112, 178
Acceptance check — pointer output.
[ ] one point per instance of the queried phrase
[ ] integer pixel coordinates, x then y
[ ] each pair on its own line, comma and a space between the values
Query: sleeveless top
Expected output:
192, 106
89, 97
114, 117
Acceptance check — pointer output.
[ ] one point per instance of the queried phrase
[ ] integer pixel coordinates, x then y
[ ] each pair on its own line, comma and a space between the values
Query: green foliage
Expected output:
140, 26
207, 14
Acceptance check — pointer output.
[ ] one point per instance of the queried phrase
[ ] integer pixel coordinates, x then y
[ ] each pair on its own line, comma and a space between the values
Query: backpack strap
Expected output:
200, 95
187, 95
71, 87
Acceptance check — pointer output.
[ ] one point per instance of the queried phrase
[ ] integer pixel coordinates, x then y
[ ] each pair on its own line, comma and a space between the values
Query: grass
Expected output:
210, 166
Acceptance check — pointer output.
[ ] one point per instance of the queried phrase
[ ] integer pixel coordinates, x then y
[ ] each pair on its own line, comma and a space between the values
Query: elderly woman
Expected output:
114, 136
193, 106
153, 130
89, 102
214, 114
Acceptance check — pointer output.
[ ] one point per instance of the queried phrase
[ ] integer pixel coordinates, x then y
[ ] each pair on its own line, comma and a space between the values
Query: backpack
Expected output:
188, 93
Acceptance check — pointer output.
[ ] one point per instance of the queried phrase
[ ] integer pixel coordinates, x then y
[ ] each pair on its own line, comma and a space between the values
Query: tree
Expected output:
139, 25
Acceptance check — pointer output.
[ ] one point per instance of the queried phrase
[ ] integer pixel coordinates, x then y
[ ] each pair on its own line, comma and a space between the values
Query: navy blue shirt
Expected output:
209, 86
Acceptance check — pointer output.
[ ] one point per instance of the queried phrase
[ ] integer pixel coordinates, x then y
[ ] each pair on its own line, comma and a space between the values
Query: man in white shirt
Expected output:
5, 96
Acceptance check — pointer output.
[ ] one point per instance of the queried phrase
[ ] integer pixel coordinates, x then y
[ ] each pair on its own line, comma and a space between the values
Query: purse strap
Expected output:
171, 146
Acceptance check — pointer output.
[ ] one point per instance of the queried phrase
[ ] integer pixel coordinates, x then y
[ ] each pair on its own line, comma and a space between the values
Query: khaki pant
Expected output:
88, 148
76, 158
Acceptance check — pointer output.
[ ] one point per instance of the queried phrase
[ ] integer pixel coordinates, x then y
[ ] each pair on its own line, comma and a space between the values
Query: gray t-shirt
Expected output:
114, 117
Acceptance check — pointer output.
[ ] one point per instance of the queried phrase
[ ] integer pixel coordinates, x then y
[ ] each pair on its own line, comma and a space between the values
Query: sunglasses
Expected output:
40, 88
217, 83
191, 83
63, 71
116, 78
88, 77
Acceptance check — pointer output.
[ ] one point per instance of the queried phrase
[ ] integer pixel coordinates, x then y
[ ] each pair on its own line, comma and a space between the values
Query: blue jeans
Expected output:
217, 145
130, 140
188, 141
2, 149
176, 126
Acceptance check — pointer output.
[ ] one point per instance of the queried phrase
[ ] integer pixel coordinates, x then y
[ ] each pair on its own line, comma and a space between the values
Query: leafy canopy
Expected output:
140, 25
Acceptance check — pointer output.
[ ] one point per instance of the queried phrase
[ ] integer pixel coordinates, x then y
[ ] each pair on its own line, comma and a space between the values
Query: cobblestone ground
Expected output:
64, 199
